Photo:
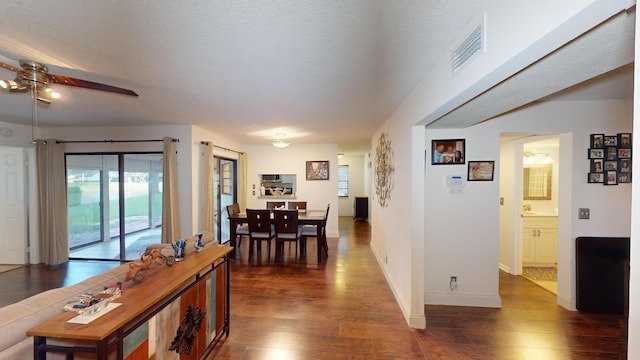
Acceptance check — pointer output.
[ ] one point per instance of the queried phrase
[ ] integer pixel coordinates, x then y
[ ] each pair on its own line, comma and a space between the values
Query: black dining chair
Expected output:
271, 205
311, 231
286, 226
260, 229
241, 230
297, 205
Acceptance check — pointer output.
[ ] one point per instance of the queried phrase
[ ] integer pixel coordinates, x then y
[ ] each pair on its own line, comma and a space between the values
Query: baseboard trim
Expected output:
566, 302
489, 301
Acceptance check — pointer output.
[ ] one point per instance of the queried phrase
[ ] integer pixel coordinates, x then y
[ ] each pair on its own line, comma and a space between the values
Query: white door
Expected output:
12, 207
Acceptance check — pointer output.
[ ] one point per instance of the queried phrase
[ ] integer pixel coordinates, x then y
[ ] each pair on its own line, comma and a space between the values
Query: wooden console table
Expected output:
201, 281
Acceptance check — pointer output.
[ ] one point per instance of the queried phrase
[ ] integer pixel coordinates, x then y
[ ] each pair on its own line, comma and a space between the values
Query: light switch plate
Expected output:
583, 213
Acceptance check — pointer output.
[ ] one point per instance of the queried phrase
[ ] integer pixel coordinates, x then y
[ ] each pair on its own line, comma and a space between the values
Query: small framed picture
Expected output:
611, 153
596, 177
447, 152
611, 178
624, 153
596, 153
624, 140
597, 165
611, 140
624, 165
597, 141
624, 178
610, 165
480, 171
317, 170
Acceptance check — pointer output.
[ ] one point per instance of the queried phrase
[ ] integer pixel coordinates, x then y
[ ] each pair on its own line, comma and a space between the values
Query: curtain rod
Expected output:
109, 141
220, 147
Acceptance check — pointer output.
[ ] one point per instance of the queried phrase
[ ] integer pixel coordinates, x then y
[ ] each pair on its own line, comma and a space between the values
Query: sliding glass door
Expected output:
114, 204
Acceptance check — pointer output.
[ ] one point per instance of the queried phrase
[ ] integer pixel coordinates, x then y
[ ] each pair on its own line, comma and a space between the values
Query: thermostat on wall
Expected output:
455, 181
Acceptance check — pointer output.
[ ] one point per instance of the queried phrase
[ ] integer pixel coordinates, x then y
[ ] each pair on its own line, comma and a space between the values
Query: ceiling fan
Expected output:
34, 76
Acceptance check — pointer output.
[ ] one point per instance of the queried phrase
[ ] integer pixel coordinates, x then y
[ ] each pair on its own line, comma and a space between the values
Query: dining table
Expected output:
305, 217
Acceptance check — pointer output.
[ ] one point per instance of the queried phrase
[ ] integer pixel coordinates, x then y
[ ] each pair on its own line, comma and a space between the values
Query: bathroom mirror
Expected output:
537, 182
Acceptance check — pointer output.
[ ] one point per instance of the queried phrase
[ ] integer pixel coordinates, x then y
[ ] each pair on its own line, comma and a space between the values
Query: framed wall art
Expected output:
596, 153
597, 141
480, 171
611, 177
317, 170
596, 178
447, 152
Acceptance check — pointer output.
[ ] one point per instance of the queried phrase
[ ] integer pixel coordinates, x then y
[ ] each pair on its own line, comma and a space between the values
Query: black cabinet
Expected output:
602, 274
361, 208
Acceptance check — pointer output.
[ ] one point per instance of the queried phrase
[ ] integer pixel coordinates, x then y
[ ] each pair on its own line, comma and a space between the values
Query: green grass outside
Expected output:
83, 217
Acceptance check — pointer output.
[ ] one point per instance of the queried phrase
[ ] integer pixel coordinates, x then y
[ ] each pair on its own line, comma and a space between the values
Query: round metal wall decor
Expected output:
383, 170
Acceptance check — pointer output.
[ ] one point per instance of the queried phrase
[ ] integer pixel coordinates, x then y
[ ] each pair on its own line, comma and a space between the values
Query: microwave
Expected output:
270, 177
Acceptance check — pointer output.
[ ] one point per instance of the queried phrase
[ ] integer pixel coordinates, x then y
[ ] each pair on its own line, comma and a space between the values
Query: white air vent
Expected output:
469, 47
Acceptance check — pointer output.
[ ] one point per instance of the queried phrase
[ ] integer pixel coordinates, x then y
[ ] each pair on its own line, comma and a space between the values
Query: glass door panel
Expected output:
90, 202
97, 185
143, 202
225, 194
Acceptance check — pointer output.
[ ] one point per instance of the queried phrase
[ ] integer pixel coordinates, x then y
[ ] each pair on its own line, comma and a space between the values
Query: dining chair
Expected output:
286, 226
271, 205
311, 231
297, 205
260, 229
241, 230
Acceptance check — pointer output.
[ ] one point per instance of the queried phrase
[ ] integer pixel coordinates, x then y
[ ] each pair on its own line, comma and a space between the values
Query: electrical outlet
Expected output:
386, 259
453, 283
583, 213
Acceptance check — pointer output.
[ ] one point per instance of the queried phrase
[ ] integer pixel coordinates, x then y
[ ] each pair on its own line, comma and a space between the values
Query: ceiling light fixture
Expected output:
537, 158
279, 142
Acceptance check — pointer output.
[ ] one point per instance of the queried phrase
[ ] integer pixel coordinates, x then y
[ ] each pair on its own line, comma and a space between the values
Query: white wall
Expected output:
461, 236
634, 282
397, 230
515, 38
517, 34
356, 182
471, 251
266, 159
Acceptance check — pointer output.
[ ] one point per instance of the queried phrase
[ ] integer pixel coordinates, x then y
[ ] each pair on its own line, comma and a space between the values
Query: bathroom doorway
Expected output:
540, 169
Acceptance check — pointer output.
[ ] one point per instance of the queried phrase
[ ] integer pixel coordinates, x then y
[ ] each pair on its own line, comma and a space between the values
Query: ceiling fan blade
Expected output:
65, 80
9, 67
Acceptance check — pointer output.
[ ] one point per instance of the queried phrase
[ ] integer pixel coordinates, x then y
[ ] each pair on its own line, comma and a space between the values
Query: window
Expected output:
343, 180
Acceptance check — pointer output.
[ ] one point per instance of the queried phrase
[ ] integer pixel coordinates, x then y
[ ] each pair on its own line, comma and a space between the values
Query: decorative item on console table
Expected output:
180, 249
155, 254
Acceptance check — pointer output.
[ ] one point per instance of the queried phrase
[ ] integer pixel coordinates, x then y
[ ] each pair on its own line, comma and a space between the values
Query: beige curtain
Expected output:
52, 203
208, 214
170, 209
242, 182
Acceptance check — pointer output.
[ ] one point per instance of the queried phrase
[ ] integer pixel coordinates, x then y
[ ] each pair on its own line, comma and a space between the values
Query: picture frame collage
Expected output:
610, 159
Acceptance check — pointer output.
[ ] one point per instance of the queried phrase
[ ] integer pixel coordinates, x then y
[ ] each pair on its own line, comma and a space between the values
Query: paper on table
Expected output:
85, 319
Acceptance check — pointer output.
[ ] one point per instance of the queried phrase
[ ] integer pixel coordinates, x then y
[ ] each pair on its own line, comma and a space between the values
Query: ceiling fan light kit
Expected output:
11, 85
34, 77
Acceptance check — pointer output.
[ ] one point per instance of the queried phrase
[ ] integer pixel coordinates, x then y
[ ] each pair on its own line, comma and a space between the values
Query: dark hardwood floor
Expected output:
344, 309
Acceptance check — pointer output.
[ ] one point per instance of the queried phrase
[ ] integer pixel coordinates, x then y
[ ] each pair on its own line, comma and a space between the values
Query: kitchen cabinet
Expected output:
539, 240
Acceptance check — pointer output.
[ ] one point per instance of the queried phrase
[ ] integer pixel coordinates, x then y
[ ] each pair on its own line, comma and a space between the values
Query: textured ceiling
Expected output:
320, 71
